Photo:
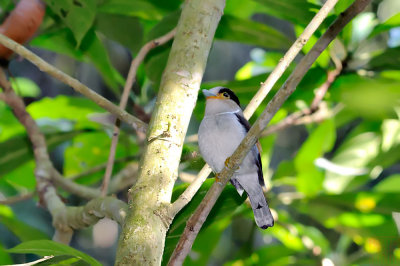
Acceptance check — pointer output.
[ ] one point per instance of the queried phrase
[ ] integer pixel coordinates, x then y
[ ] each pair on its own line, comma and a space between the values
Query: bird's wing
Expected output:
257, 149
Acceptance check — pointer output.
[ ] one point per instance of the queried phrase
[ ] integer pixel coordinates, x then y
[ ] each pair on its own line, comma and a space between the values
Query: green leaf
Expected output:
310, 179
376, 97
23, 231
78, 15
87, 151
96, 53
287, 238
116, 27
354, 153
5, 258
25, 87
388, 59
246, 31
59, 41
48, 247
243, 9
75, 109
390, 23
206, 241
62, 260
91, 50
154, 66
296, 11
266, 255
225, 206
390, 184
132, 8
19, 149
164, 26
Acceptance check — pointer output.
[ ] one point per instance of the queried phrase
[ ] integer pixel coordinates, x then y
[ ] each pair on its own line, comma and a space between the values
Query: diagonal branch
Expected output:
284, 63
124, 99
75, 84
196, 221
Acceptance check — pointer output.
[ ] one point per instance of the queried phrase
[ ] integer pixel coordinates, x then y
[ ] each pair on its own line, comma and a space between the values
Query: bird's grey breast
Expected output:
219, 136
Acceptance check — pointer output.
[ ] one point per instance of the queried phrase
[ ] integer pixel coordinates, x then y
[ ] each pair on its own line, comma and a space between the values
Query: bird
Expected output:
222, 129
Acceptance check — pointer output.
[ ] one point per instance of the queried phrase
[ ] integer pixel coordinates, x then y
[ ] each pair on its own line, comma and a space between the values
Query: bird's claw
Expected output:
228, 163
217, 179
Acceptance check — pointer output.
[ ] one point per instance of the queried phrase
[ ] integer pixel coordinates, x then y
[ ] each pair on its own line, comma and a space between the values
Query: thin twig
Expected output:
283, 64
124, 99
15, 199
196, 221
75, 84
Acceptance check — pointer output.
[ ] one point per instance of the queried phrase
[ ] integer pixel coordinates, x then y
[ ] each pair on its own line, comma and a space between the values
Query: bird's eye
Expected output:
225, 94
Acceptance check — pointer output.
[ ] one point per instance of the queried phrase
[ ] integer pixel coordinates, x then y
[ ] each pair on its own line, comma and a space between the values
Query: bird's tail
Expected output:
262, 213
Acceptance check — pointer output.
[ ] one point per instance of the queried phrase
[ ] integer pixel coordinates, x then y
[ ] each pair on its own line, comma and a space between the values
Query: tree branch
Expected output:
75, 84
143, 236
283, 64
94, 210
15, 199
124, 100
44, 167
195, 222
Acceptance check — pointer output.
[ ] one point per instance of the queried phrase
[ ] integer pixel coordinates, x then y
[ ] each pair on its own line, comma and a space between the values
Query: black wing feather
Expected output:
247, 126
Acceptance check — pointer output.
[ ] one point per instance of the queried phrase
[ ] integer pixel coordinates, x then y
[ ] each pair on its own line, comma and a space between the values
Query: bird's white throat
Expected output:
222, 113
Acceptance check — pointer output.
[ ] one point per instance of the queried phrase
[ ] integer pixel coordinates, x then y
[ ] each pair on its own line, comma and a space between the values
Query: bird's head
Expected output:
221, 99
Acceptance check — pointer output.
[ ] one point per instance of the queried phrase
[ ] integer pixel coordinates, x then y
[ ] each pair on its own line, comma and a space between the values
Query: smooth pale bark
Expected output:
143, 236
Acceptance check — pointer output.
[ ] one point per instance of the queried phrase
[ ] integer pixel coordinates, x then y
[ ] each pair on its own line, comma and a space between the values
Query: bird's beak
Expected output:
207, 93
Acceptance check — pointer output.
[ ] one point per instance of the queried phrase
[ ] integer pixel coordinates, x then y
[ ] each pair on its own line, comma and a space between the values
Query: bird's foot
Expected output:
217, 179
228, 163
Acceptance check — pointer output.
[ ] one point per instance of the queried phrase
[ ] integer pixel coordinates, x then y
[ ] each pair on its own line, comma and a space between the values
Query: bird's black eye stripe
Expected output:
225, 94
231, 95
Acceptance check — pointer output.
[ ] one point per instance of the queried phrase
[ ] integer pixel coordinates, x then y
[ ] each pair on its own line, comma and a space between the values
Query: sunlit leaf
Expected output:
310, 179
390, 184
75, 109
391, 23
352, 156
47, 248
25, 87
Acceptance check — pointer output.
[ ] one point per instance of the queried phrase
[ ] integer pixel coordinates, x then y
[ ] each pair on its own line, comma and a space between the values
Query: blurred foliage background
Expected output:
333, 184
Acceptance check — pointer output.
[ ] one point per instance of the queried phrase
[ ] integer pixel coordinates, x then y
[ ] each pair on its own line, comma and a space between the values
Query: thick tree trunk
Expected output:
143, 236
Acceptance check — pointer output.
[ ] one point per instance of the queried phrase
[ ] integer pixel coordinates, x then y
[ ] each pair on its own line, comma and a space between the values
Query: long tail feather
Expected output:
262, 213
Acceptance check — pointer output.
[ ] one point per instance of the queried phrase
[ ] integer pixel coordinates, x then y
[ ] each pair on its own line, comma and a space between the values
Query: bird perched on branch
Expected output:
221, 131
